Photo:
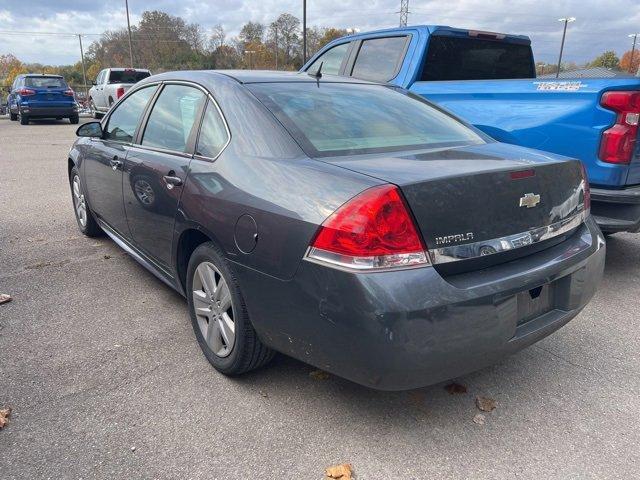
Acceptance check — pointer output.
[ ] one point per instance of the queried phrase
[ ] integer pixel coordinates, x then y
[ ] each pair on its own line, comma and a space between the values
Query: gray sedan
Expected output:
348, 224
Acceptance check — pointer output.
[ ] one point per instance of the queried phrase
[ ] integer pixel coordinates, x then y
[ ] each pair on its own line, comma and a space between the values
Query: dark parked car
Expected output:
349, 224
41, 96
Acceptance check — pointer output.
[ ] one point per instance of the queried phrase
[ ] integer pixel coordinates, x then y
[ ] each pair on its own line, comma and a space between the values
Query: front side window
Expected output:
45, 82
124, 120
341, 119
213, 134
331, 60
379, 58
172, 118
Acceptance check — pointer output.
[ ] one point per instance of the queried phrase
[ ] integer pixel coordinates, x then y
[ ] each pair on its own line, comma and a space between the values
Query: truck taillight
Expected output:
619, 142
69, 92
372, 231
119, 92
26, 92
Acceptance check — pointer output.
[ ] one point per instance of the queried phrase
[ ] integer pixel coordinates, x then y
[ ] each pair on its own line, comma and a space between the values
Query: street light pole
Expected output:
84, 72
126, 4
633, 50
566, 21
304, 31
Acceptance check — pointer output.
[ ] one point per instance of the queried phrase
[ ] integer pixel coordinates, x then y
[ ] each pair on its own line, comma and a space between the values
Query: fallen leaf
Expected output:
455, 389
38, 265
264, 394
319, 375
343, 472
4, 416
5, 298
479, 419
485, 404
107, 257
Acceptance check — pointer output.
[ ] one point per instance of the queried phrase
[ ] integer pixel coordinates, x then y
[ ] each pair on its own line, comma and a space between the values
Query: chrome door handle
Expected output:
172, 181
115, 163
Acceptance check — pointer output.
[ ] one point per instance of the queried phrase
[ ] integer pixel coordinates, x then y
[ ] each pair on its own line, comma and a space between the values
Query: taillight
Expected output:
26, 92
372, 231
119, 92
69, 92
586, 190
619, 142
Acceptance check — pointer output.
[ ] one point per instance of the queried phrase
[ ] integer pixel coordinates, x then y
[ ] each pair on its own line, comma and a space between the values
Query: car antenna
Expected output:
317, 74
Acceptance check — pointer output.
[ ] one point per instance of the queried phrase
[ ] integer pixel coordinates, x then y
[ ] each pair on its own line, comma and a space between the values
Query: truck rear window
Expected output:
127, 76
44, 82
452, 58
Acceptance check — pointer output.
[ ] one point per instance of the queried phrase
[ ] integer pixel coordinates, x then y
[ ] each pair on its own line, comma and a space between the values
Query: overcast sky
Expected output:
600, 25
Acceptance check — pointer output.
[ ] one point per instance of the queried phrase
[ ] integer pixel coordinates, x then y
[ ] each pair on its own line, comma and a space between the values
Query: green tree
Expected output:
608, 59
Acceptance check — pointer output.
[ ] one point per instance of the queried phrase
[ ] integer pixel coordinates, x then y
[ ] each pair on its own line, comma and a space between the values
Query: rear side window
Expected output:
451, 58
172, 118
125, 118
127, 76
331, 60
379, 59
45, 82
213, 134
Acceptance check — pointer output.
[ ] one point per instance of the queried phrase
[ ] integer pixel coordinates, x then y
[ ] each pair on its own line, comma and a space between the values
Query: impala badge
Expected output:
529, 200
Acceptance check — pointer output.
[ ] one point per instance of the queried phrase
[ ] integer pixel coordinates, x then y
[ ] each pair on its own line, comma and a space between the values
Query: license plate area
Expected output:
535, 302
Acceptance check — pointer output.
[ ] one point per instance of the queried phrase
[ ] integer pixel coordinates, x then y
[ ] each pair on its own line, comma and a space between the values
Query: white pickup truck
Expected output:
110, 85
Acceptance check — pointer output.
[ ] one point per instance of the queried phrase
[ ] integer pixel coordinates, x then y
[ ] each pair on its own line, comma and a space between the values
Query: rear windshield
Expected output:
44, 82
339, 119
127, 76
450, 58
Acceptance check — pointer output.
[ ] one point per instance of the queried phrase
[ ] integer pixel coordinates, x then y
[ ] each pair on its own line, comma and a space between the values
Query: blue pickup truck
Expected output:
489, 79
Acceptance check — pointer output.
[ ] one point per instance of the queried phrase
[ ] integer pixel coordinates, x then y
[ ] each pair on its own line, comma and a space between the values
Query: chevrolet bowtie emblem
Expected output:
529, 200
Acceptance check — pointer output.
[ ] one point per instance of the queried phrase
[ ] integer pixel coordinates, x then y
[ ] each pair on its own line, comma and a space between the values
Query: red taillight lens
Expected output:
69, 93
373, 230
619, 142
119, 92
26, 92
586, 190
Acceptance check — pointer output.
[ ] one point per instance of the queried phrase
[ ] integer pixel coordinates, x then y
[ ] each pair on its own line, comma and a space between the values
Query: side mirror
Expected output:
90, 129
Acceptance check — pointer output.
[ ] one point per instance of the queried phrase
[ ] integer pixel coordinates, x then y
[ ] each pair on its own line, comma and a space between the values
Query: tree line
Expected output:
163, 42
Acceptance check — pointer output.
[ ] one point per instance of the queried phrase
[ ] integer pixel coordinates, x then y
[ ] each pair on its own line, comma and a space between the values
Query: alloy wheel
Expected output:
214, 310
79, 201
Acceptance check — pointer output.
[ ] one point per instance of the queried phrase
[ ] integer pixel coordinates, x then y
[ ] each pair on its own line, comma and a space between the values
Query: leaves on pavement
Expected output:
4, 416
455, 389
479, 419
319, 375
485, 404
342, 472
5, 298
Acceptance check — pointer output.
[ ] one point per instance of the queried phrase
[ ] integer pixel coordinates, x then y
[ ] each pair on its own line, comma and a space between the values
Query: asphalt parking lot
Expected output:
100, 366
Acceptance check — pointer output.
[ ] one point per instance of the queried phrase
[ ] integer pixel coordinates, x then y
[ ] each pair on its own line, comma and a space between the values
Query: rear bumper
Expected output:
407, 329
616, 210
49, 112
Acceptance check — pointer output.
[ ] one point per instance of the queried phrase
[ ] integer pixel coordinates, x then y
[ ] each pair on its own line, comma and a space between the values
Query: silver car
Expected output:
110, 85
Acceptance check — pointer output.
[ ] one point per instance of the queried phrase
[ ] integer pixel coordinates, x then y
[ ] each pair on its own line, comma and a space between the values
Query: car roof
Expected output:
273, 76
40, 75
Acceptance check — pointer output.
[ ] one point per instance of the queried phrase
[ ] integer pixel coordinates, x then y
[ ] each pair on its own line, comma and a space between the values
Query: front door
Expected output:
104, 160
156, 169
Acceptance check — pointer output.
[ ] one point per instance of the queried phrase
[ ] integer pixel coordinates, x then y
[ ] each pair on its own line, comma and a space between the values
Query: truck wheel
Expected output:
74, 120
24, 120
13, 116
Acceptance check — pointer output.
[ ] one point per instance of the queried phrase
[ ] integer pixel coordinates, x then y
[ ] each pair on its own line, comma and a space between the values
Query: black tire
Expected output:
13, 116
248, 352
74, 120
91, 228
24, 120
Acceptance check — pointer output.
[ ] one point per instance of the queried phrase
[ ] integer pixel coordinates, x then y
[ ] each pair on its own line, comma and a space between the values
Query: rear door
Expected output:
104, 159
156, 168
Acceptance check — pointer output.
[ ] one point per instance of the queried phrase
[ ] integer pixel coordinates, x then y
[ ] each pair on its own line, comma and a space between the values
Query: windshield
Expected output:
127, 76
44, 82
341, 118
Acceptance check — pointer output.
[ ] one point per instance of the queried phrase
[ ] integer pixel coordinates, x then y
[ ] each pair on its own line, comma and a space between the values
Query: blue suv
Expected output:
41, 96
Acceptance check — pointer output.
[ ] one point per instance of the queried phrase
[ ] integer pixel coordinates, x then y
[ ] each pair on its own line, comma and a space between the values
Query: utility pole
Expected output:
84, 72
633, 50
566, 21
304, 31
126, 4
404, 12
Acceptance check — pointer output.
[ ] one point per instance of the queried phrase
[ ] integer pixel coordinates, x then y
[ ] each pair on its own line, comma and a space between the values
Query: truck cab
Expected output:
489, 80
110, 85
